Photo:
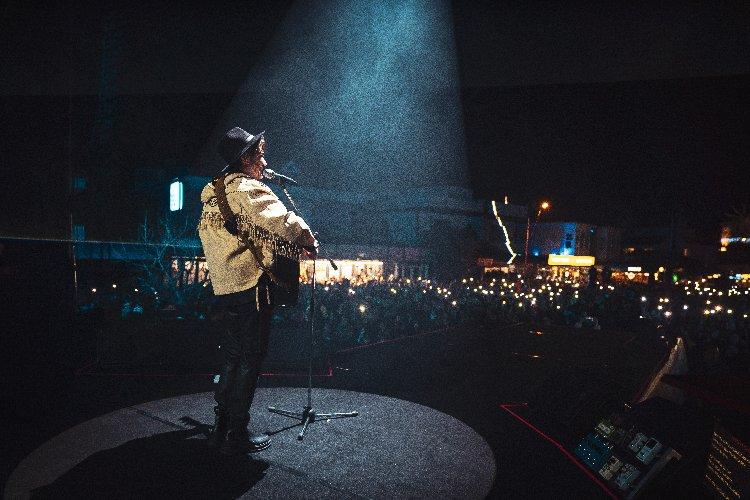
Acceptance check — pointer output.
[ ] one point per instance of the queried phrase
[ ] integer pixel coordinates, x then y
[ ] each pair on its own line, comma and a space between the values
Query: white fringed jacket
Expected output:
261, 216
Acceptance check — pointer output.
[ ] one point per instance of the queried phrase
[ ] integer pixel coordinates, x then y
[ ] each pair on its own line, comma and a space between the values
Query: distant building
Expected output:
657, 246
575, 238
391, 231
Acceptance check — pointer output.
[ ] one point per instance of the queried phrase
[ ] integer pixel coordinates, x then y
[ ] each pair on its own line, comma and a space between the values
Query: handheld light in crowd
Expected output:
643, 299
453, 303
362, 308
93, 290
114, 285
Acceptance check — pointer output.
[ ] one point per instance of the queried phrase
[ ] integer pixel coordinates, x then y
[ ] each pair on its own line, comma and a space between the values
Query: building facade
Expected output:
575, 238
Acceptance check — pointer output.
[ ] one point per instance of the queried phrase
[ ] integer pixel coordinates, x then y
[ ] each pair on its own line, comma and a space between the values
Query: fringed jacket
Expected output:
261, 217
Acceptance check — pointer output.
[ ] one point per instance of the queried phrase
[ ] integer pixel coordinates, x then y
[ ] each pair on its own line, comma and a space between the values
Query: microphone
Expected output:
276, 177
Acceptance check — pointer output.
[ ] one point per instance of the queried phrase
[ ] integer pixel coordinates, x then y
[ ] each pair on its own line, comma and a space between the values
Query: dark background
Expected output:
623, 114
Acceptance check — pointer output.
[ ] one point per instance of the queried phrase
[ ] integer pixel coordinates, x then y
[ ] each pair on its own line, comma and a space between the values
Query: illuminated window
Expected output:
175, 196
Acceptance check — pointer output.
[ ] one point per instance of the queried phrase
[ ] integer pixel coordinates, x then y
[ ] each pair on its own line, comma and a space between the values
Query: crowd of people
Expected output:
710, 313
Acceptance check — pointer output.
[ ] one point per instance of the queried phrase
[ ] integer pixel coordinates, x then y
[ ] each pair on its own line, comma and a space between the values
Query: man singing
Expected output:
237, 204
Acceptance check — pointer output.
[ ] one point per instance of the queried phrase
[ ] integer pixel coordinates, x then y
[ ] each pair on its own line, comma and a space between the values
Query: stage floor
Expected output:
393, 449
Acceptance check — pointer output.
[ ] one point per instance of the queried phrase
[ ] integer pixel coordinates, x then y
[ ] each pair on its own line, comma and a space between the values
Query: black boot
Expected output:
221, 427
240, 441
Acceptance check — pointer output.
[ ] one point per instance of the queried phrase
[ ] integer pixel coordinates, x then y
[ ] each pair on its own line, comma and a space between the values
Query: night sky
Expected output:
629, 115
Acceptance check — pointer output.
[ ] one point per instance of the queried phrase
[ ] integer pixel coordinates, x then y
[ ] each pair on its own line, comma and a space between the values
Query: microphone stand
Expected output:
308, 415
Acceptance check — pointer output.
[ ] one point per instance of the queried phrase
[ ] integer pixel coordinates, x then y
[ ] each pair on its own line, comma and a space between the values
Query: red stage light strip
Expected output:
570, 456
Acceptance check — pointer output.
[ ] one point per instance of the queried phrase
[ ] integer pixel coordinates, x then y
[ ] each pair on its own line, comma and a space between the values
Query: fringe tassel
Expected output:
258, 234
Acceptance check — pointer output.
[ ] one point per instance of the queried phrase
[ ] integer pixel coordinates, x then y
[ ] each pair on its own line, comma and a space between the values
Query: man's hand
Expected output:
311, 251
309, 244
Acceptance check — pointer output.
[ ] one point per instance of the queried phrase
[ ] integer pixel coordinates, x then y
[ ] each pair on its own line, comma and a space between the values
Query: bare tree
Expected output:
171, 272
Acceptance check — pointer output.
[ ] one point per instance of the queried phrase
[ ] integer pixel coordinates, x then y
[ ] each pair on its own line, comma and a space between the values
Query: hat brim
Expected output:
250, 144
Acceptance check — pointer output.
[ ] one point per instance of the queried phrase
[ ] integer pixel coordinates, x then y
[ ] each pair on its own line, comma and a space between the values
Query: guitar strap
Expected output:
230, 224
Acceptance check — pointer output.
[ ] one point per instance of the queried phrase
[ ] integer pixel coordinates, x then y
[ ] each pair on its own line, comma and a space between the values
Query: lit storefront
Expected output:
189, 270
356, 271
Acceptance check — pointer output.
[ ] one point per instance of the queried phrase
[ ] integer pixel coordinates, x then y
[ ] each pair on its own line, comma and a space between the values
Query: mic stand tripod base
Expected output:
308, 416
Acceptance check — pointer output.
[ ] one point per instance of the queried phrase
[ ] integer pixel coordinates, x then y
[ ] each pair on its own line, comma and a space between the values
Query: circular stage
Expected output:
393, 449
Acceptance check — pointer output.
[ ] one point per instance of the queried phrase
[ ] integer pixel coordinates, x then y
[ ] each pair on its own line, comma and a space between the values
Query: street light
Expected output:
545, 205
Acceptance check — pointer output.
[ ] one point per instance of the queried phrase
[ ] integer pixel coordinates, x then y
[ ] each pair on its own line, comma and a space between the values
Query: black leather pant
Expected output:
244, 343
